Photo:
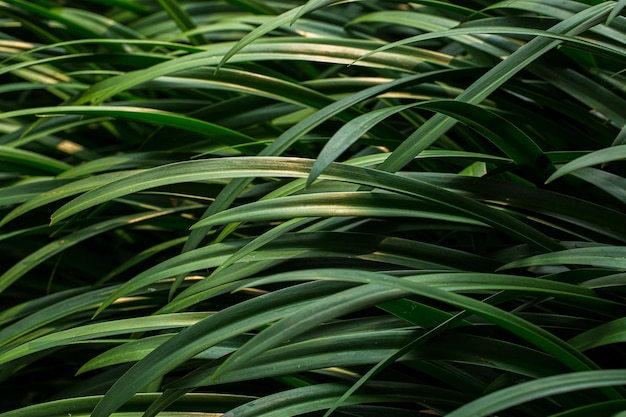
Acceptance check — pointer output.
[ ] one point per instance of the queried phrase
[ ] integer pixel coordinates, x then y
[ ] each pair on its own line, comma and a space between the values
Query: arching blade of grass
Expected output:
621, 4
505, 135
327, 50
82, 406
262, 240
82, 23
392, 251
327, 350
620, 139
318, 397
24, 192
97, 330
283, 19
62, 192
611, 50
47, 315
565, 208
12, 315
32, 161
158, 117
358, 204
609, 408
613, 185
537, 336
333, 350
593, 94
294, 133
608, 333
141, 257
31, 261
286, 190
562, 10
540, 388
598, 256
182, 19
602, 156
131, 351
347, 135
226, 323
147, 43
129, 161
314, 314
429, 132
295, 167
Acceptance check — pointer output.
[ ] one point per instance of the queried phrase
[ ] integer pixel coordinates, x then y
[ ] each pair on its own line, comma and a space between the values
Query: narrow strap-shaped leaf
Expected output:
31, 261
158, 117
189, 342
49, 314
262, 240
502, 133
540, 388
34, 160
620, 139
608, 333
305, 400
367, 348
104, 329
602, 156
621, 4
611, 50
297, 167
436, 126
598, 256
605, 408
62, 192
82, 406
393, 357
291, 135
347, 135
24, 192
393, 251
309, 6
287, 17
530, 332
182, 19
19, 311
358, 203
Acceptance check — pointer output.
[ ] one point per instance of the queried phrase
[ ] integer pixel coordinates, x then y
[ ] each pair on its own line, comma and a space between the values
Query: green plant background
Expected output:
267, 208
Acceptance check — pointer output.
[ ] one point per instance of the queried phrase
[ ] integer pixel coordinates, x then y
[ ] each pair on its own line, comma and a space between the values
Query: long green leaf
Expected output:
62, 192
318, 397
82, 406
158, 117
597, 256
193, 340
97, 330
602, 156
430, 131
533, 334
30, 159
295, 167
608, 333
362, 204
31, 261
513, 141
182, 19
540, 388
283, 19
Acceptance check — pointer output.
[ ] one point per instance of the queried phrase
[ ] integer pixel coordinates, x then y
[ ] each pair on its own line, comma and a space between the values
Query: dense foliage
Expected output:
357, 208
